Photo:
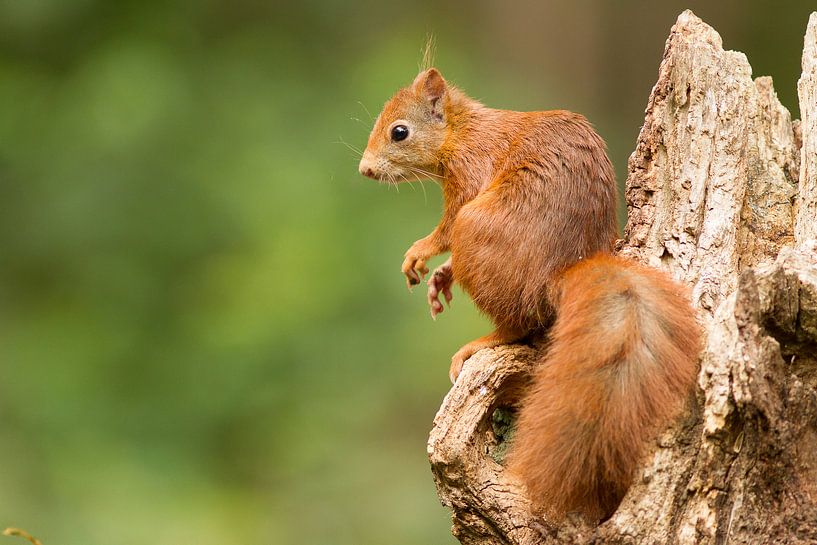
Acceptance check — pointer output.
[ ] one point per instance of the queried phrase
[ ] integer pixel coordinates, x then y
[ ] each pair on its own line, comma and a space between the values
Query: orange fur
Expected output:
621, 359
529, 218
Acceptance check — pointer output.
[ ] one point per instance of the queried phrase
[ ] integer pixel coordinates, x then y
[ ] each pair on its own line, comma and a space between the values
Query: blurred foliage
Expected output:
204, 335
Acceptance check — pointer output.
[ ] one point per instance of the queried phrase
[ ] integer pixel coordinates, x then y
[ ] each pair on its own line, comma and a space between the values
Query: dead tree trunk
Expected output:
721, 192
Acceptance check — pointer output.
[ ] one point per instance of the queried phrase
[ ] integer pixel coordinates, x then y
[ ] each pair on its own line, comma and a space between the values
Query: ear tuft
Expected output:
430, 85
428, 53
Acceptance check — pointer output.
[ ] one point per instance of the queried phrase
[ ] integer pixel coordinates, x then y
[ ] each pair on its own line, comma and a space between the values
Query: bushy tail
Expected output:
621, 360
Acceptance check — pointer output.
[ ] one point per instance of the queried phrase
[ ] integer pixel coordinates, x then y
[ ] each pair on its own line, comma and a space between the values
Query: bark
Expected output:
722, 192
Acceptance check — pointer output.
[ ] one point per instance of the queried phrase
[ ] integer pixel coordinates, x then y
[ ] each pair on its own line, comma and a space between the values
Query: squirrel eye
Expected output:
399, 132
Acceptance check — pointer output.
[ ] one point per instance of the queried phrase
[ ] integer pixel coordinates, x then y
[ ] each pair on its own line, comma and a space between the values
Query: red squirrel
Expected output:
529, 219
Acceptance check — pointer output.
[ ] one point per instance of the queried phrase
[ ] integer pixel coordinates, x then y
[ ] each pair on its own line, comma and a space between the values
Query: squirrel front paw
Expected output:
414, 266
414, 269
440, 282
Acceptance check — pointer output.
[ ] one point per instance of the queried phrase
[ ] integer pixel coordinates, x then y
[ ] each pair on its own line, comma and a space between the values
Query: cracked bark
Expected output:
721, 192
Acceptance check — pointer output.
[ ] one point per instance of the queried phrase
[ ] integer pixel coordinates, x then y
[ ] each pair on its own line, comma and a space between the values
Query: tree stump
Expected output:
722, 193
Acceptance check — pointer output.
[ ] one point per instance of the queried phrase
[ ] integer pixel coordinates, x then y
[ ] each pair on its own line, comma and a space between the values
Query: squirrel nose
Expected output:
366, 168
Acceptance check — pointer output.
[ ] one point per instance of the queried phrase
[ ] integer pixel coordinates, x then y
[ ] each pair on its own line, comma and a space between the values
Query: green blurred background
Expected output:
204, 334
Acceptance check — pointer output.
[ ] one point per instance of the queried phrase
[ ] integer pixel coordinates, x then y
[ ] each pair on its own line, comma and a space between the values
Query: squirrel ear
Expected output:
430, 85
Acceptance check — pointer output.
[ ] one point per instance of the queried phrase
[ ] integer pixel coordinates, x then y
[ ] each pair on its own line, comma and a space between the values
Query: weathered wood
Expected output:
721, 195
806, 226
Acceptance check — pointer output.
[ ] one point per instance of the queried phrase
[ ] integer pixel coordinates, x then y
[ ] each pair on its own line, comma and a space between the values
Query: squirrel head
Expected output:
408, 135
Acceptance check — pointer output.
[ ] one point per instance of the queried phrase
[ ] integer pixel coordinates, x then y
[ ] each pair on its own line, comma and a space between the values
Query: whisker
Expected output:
365, 109
411, 185
433, 177
425, 194
357, 153
350, 146
360, 121
427, 173
423, 186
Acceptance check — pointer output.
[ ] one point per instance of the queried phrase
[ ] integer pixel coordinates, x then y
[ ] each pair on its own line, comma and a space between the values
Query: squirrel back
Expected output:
620, 362
550, 203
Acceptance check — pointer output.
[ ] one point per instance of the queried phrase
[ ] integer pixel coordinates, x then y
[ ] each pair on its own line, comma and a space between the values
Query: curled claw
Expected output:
435, 304
411, 278
415, 270
440, 282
